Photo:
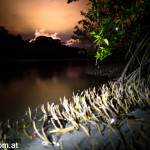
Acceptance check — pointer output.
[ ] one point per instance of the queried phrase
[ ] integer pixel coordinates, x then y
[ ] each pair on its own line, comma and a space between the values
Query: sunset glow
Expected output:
42, 32
55, 16
72, 41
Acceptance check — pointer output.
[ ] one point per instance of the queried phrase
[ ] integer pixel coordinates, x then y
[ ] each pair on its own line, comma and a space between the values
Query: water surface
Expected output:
31, 83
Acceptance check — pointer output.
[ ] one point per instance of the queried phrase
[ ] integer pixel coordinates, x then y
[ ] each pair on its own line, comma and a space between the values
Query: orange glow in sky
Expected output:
42, 32
55, 16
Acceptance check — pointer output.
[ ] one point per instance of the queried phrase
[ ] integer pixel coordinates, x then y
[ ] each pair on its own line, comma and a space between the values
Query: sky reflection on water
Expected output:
25, 86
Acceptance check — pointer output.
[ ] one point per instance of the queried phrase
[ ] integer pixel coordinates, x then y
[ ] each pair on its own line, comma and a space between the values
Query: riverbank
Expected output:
101, 118
132, 134
107, 70
130, 131
31, 83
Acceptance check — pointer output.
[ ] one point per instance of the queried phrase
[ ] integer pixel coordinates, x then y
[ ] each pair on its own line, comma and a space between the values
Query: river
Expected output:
32, 83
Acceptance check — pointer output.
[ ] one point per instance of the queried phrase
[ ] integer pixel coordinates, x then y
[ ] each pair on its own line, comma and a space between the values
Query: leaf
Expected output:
101, 32
90, 12
117, 20
102, 48
92, 32
96, 40
97, 36
109, 53
88, 4
122, 8
106, 41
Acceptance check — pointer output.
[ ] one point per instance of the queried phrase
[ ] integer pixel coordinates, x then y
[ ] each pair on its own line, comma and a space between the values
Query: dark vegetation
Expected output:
13, 47
113, 27
111, 103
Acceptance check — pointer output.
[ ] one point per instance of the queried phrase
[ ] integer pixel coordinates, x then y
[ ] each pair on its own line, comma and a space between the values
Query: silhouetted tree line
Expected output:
13, 47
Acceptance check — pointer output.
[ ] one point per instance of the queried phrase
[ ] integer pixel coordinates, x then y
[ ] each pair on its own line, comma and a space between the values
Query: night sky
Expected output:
24, 17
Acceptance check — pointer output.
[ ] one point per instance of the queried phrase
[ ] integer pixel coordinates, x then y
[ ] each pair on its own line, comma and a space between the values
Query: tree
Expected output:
3, 30
69, 1
112, 23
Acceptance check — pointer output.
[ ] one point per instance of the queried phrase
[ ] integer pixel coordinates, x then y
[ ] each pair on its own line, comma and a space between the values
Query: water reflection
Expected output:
30, 84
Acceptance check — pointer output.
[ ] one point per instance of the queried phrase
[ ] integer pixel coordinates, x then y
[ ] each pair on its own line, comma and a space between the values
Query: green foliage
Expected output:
102, 52
111, 23
81, 52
